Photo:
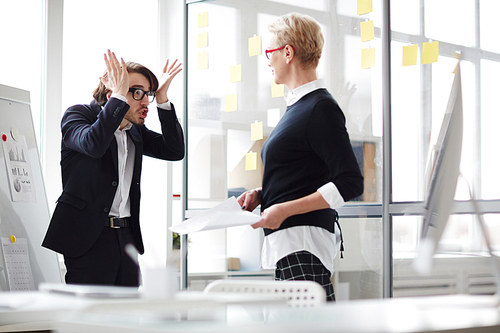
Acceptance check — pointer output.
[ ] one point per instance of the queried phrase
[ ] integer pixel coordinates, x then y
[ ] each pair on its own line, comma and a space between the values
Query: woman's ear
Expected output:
289, 53
108, 94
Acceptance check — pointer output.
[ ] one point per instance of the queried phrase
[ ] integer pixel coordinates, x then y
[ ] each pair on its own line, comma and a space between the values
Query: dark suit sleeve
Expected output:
328, 137
170, 144
85, 132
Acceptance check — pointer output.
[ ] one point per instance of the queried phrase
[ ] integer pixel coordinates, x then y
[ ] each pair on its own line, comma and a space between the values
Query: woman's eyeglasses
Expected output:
268, 52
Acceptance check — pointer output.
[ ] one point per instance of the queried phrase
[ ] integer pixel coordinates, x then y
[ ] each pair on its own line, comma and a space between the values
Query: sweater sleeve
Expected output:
328, 137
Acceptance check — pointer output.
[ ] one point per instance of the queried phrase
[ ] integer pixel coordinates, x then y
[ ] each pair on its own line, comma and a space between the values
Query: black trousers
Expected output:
106, 263
304, 265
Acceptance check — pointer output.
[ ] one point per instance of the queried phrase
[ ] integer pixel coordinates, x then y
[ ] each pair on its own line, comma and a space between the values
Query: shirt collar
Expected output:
296, 94
126, 128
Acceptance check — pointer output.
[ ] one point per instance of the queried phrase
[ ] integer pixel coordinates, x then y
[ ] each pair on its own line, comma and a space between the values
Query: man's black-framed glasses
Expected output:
268, 52
138, 94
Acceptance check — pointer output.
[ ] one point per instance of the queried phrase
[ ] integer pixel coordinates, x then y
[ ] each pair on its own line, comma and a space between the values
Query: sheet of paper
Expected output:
17, 264
254, 46
203, 39
364, 7
410, 55
225, 215
277, 90
22, 185
430, 52
231, 103
202, 60
367, 31
235, 73
251, 161
203, 20
92, 291
257, 131
367, 58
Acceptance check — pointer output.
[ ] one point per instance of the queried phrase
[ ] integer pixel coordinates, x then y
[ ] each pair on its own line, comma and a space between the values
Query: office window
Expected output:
420, 94
488, 25
21, 23
130, 29
490, 117
405, 16
450, 21
91, 28
461, 265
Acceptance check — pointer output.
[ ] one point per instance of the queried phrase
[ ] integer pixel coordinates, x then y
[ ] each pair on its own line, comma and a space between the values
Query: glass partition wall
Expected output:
393, 141
233, 105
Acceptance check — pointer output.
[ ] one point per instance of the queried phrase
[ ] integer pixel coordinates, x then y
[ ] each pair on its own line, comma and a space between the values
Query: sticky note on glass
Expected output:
367, 58
430, 52
257, 131
202, 60
254, 46
235, 73
231, 103
364, 7
277, 90
203, 39
410, 55
367, 31
203, 20
251, 161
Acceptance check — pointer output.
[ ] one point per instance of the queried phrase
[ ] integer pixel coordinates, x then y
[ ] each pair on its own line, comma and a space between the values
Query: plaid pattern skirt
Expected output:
303, 265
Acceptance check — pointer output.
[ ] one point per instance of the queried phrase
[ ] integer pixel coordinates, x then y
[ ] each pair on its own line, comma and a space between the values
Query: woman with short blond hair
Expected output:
309, 165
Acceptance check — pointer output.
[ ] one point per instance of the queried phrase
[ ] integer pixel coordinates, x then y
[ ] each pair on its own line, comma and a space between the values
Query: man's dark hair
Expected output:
132, 67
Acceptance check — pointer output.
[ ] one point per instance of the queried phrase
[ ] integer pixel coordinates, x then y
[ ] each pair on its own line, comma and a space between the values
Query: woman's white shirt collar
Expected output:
296, 94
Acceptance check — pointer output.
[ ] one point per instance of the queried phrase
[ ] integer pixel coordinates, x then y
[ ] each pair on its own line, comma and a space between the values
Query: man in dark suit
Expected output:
101, 159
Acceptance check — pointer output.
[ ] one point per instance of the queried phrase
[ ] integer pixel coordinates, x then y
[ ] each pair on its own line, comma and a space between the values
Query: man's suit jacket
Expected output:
89, 160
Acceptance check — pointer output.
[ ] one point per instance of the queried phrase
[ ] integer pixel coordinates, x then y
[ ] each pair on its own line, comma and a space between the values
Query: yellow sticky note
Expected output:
254, 46
202, 60
277, 90
251, 161
257, 131
367, 58
430, 52
364, 6
202, 20
203, 39
231, 102
367, 31
235, 73
410, 55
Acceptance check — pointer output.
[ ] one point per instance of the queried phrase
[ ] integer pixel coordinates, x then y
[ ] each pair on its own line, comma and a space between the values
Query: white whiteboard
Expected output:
25, 219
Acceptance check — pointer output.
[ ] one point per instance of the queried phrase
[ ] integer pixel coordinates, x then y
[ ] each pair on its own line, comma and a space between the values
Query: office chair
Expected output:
297, 293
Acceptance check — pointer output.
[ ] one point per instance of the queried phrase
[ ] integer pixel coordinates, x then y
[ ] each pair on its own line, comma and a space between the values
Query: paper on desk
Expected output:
224, 215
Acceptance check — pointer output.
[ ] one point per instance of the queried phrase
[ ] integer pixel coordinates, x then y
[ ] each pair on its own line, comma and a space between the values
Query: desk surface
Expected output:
196, 312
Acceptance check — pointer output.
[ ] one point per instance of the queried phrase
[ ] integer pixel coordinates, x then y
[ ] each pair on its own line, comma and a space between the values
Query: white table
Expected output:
197, 312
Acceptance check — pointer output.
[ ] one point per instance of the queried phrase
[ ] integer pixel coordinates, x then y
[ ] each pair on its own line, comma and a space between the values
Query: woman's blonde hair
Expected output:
303, 33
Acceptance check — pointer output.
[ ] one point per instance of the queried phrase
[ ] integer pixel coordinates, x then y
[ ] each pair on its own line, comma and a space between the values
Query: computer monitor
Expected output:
445, 169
